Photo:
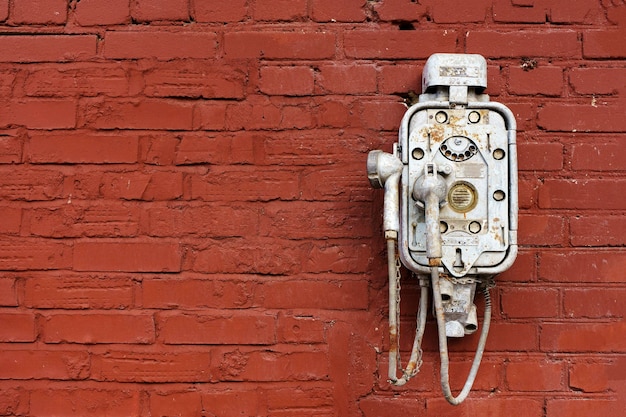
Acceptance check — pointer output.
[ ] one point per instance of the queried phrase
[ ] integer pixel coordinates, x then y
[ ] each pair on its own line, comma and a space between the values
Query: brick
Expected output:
381, 115
581, 266
211, 11
454, 11
545, 43
333, 113
279, 45
196, 294
597, 157
94, 328
585, 11
519, 13
512, 337
296, 329
43, 12
151, 367
195, 79
92, 402
7, 81
583, 337
27, 254
387, 44
8, 294
542, 230
78, 292
159, 45
581, 118
10, 149
335, 183
338, 257
146, 11
172, 403
10, 220
315, 220
205, 220
47, 48
210, 115
347, 79
17, 327
4, 13
158, 149
334, 11
83, 148
487, 379
593, 81
372, 406
592, 376
39, 364
604, 194
525, 114
594, 302
159, 185
30, 185
14, 401
604, 44
580, 407
540, 156
288, 81
232, 329
338, 295
530, 302
261, 113
146, 114
39, 114
542, 81
239, 401
77, 82
535, 375
102, 12
253, 184
219, 149
271, 365
300, 397
224, 256
492, 406
276, 10
127, 256
398, 10
400, 79
598, 230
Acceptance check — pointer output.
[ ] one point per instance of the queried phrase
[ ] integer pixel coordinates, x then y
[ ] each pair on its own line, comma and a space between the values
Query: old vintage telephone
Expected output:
450, 205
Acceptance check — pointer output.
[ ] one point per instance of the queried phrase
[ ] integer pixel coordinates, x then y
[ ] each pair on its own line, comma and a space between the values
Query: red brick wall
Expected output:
186, 227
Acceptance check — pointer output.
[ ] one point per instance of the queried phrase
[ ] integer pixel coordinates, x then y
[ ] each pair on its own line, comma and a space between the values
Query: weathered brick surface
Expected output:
186, 227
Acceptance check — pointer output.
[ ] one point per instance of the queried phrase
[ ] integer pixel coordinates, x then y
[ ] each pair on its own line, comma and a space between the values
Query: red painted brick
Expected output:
335, 184
347, 79
8, 295
334, 113
4, 13
210, 115
338, 295
581, 118
583, 337
381, 115
542, 230
373, 406
525, 43
582, 194
580, 407
150, 10
160, 185
596, 81
387, 44
540, 156
604, 44
598, 376
335, 11
314, 397
92, 402
542, 81
234, 402
232, 329
212, 11
594, 302
598, 230
400, 79
127, 256
288, 81
581, 266
195, 79
276, 10
494, 405
279, 45
17, 327
158, 149
398, 10
511, 12
47, 48
300, 330
454, 11
172, 403
27, 254
14, 401
10, 220
93, 328
598, 157
38, 364
585, 11
535, 375
82, 148
30, 185
160, 45
145, 114
102, 12
338, 257
10, 149
196, 294
530, 302
271, 365
39, 114
487, 379
161, 366
84, 81
78, 292
39, 12
515, 337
